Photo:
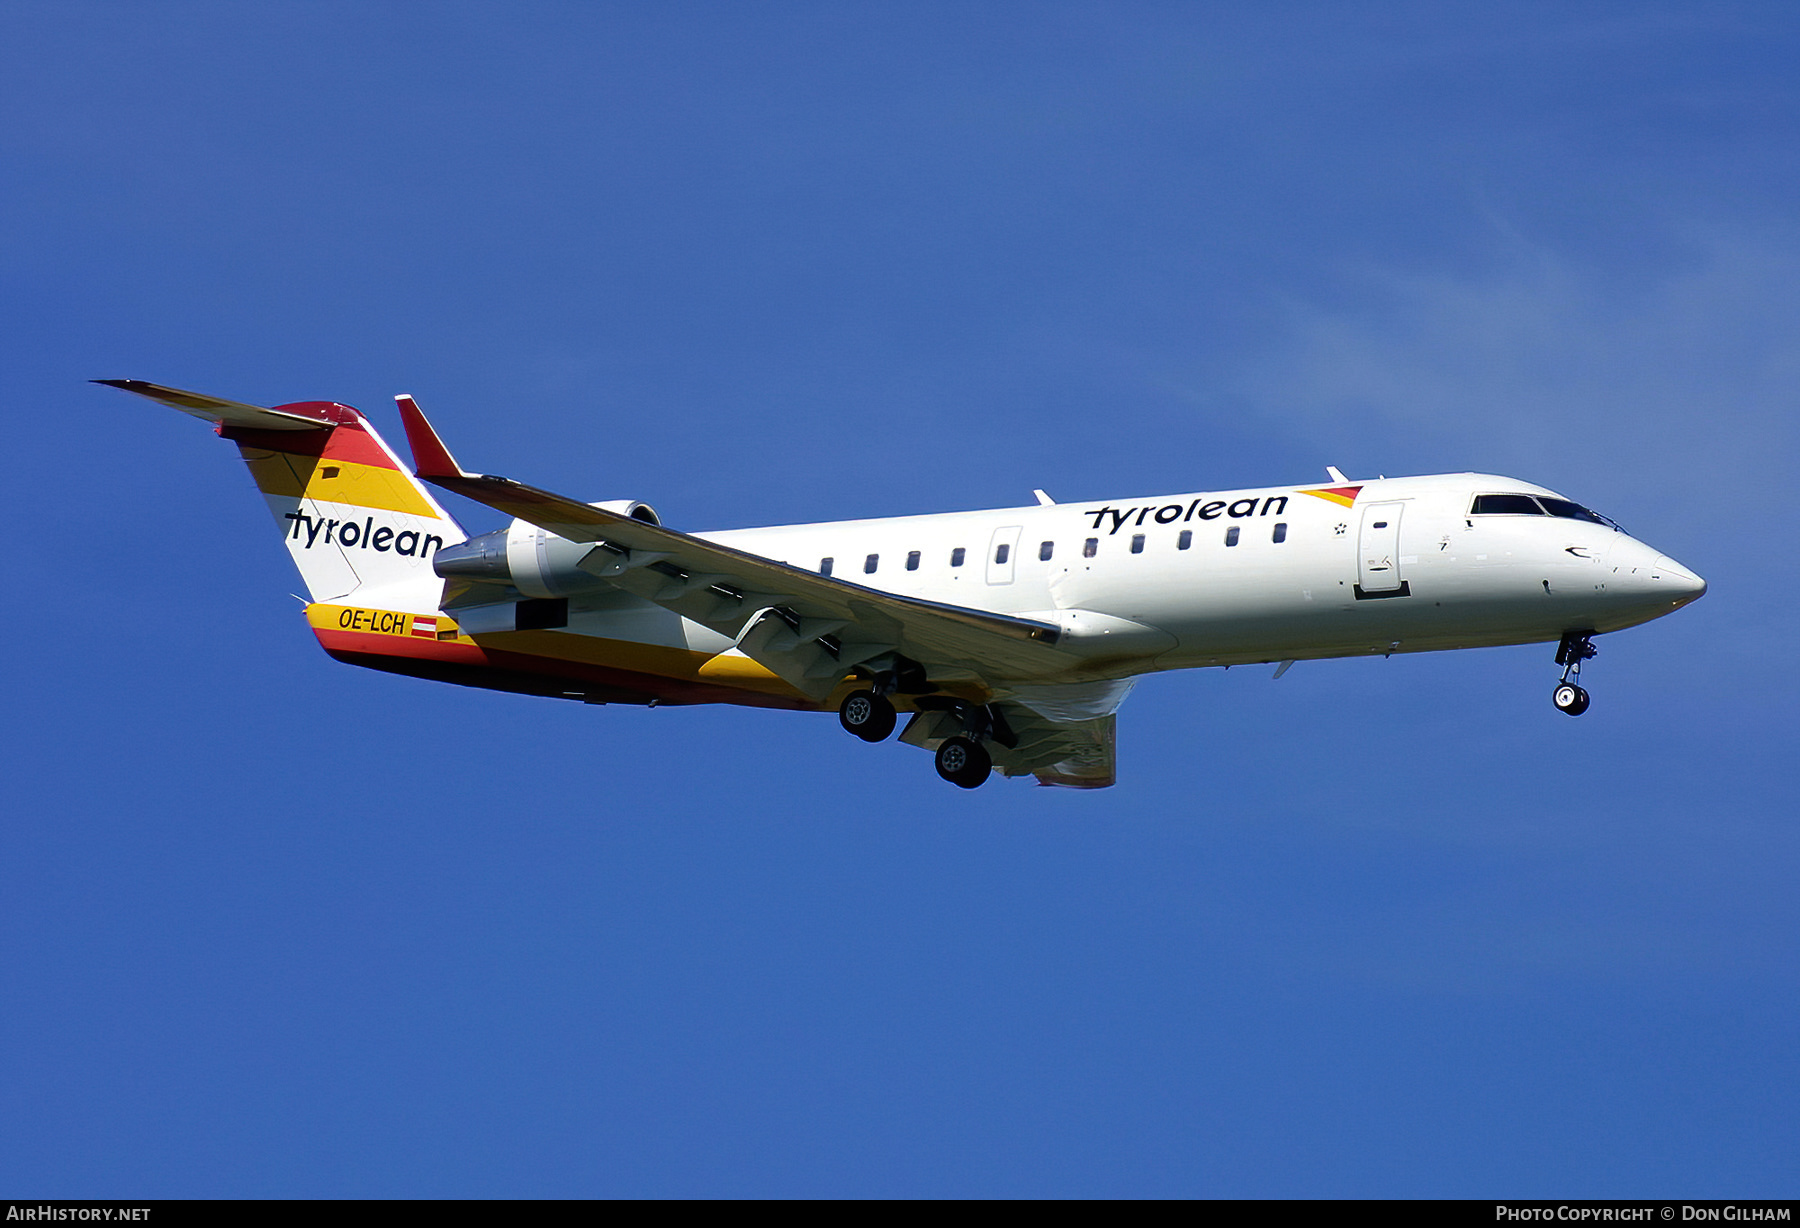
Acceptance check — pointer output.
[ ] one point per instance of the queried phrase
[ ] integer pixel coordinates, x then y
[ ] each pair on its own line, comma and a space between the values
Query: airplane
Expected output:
1007, 637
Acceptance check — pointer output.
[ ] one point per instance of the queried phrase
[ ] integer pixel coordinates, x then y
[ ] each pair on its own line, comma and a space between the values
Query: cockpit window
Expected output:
1505, 505
1573, 511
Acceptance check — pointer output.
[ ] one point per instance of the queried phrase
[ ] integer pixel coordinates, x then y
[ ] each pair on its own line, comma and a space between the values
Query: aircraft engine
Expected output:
535, 561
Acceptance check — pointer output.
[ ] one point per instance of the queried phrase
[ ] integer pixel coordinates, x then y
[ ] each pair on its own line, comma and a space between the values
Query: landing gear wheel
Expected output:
867, 715
1576, 647
1571, 699
964, 762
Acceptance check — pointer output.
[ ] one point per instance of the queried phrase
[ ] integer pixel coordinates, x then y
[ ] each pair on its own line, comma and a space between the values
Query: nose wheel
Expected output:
1571, 699
1576, 647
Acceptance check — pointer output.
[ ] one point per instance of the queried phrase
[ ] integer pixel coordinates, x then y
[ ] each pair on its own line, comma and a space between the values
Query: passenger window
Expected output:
1231, 536
1280, 532
1505, 505
1185, 540
1137, 543
912, 560
957, 556
825, 567
869, 564
1090, 547
1045, 551
1002, 552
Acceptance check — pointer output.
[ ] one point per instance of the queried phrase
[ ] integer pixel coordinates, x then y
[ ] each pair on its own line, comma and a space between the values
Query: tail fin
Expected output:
354, 518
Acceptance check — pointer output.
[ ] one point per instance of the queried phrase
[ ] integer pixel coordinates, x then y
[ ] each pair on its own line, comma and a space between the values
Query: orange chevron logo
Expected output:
1343, 495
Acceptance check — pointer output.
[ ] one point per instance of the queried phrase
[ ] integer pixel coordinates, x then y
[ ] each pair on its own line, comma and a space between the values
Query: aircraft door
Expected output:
1003, 552
1378, 552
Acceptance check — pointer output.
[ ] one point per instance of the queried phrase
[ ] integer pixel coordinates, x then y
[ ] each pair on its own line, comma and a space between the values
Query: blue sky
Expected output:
274, 926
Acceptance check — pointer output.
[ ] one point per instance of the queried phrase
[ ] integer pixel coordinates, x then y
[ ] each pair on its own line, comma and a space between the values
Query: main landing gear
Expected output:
964, 762
963, 757
1576, 647
868, 715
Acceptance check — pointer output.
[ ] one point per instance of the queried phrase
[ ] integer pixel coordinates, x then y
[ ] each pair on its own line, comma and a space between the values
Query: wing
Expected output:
807, 628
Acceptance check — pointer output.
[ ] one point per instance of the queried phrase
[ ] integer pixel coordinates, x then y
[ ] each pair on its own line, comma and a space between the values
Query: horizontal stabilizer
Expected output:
225, 413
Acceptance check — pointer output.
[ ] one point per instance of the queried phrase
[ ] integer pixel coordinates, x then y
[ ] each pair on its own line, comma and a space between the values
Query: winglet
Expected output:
431, 459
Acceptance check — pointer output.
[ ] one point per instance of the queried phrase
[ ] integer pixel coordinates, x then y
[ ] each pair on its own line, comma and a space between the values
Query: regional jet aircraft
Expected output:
1008, 638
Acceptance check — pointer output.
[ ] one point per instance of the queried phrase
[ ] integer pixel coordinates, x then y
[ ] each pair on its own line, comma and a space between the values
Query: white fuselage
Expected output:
1217, 578
1406, 568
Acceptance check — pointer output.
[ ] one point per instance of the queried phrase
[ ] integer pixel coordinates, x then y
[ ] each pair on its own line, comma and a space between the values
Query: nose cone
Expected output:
1679, 581
1651, 580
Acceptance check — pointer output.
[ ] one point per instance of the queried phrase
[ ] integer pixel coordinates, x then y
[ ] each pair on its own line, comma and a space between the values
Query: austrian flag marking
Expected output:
381, 622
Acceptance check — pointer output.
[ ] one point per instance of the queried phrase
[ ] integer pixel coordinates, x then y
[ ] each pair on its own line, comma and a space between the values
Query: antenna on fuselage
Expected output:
1337, 475
1044, 499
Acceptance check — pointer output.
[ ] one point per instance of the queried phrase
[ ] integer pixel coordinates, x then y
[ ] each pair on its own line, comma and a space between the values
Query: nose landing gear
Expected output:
1571, 699
1576, 647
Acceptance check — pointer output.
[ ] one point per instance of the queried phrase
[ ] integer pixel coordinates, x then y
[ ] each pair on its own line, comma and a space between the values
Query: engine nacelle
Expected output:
535, 561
